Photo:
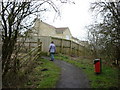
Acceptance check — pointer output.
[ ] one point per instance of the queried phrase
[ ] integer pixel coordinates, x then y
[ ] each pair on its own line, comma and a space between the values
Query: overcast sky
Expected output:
75, 16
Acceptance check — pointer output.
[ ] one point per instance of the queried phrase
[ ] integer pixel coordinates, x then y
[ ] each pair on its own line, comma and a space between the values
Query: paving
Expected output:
71, 76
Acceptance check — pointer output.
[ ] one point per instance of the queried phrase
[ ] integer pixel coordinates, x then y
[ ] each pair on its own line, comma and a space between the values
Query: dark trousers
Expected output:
52, 56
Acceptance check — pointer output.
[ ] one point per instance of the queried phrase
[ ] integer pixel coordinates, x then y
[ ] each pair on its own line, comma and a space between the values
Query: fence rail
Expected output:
66, 46
31, 55
62, 45
28, 53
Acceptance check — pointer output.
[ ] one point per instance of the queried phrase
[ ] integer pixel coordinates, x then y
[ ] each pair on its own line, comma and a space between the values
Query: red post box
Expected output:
97, 65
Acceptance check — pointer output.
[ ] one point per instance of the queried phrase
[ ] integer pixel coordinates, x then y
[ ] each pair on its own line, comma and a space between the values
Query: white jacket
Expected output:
52, 48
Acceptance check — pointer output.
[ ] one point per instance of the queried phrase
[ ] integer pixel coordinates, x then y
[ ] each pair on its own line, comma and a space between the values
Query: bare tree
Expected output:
108, 30
13, 15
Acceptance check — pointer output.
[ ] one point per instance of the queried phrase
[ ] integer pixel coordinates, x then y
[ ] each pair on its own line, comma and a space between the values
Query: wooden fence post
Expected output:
39, 45
38, 42
78, 50
29, 51
29, 45
61, 51
70, 47
62, 46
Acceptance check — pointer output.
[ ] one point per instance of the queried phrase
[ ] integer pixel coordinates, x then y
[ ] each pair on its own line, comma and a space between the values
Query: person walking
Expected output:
52, 49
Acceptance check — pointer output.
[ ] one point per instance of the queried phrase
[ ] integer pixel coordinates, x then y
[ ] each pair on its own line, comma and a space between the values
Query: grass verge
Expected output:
107, 79
44, 75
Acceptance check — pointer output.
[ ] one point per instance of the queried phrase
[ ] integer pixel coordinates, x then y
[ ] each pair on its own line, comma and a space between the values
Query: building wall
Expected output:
43, 29
66, 35
46, 30
75, 40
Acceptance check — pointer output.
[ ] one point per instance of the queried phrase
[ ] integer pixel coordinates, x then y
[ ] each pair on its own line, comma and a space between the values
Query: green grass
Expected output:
107, 79
44, 79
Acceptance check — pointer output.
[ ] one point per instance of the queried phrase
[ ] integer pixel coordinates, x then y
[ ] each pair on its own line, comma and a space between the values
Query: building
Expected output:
41, 28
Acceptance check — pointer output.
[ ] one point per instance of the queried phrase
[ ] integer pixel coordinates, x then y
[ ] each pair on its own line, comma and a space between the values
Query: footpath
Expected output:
71, 76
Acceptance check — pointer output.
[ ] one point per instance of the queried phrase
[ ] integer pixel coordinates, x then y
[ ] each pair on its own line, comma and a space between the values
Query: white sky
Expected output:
75, 16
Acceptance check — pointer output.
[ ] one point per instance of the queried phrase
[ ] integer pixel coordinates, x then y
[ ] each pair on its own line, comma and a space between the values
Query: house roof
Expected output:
61, 30
58, 30
44, 22
48, 24
75, 38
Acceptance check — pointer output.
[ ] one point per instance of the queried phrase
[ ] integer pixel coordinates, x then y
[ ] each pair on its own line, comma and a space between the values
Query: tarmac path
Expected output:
71, 76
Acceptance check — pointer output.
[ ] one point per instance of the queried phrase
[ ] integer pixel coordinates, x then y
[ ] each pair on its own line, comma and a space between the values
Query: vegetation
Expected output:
107, 79
16, 17
104, 34
44, 75
104, 39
